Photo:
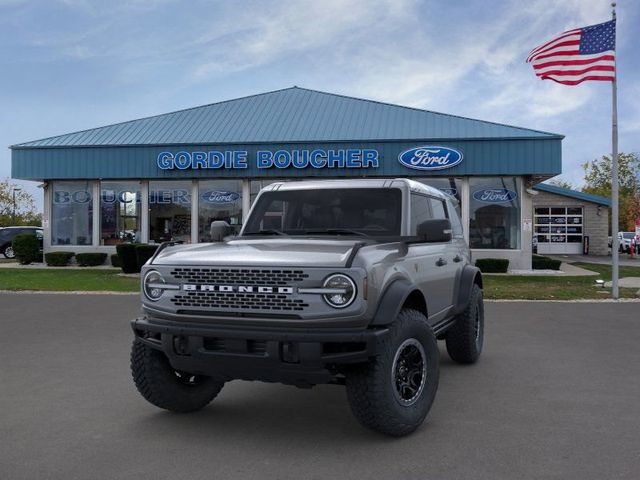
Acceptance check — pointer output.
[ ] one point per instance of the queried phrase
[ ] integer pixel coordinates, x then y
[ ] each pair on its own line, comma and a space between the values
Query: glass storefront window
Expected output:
450, 185
218, 200
72, 213
170, 211
494, 213
119, 212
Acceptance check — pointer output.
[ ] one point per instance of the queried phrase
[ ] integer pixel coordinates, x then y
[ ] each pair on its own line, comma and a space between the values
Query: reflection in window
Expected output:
170, 211
119, 212
494, 213
449, 185
71, 213
219, 200
420, 211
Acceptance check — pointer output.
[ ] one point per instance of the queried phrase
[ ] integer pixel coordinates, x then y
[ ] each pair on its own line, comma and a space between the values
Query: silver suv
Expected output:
349, 282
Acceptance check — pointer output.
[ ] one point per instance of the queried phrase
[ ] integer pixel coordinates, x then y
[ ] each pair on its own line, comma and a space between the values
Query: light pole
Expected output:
14, 203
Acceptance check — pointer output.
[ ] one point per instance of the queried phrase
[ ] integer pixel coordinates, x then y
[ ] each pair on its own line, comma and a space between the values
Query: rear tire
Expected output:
8, 252
394, 392
163, 386
465, 338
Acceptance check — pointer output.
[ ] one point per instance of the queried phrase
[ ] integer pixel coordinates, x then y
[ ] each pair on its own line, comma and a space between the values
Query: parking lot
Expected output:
555, 395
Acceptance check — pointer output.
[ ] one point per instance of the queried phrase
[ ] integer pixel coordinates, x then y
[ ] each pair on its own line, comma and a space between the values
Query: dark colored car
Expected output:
7, 235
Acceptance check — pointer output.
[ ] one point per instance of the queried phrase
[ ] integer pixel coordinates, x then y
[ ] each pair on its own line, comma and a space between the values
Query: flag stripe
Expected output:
577, 55
564, 35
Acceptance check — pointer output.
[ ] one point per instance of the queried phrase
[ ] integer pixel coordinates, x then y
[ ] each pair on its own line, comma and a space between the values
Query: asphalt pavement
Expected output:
556, 394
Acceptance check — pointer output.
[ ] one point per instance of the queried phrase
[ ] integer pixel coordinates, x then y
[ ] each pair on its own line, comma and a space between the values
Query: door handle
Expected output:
457, 258
441, 262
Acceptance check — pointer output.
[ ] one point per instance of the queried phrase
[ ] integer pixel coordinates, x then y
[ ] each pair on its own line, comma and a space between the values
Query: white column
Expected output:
526, 211
246, 199
46, 216
144, 212
194, 211
95, 188
464, 200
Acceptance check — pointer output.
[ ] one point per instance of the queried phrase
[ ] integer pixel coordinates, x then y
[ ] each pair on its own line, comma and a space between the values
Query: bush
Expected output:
115, 261
127, 256
90, 259
27, 248
58, 259
538, 262
493, 265
144, 253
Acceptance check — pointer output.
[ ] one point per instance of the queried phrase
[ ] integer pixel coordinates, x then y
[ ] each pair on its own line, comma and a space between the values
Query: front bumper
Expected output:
302, 358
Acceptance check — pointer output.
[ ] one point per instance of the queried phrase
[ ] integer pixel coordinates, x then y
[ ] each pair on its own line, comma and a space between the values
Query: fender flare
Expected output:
468, 277
392, 300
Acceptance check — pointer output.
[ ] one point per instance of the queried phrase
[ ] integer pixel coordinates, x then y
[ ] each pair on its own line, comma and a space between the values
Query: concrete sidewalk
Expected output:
624, 259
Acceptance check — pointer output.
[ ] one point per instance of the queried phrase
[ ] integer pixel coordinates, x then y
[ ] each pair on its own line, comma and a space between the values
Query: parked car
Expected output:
624, 240
7, 234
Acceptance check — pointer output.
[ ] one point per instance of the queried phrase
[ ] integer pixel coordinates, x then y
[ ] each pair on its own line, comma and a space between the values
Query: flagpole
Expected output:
614, 176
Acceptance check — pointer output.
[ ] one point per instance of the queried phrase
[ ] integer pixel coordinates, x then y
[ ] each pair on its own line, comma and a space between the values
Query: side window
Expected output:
437, 206
420, 211
456, 223
39, 234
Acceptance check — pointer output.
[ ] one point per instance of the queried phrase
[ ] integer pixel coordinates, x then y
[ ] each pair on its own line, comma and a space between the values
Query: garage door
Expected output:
558, 229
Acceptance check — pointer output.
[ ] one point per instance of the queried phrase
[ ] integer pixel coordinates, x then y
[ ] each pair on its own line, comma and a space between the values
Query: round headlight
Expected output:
152, 285
344, 291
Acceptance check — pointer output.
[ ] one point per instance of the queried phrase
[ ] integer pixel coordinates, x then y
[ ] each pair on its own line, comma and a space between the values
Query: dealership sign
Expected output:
163, 196
266, 159
429, 157
495, 195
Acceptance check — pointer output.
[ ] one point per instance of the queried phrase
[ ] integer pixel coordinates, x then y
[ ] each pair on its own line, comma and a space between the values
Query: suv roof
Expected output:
355, 183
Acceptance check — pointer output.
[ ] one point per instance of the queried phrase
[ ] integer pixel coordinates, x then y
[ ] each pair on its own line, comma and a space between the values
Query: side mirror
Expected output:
219, 230
435, 230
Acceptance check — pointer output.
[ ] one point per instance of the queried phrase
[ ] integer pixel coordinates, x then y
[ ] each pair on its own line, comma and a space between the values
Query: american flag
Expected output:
577, 55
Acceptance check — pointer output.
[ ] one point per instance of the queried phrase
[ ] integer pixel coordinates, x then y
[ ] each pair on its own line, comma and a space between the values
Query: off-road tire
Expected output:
8, 252
371, 388
160, 384
465, 338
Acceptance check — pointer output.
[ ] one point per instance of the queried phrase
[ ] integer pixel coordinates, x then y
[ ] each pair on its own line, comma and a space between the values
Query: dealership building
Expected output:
169, 176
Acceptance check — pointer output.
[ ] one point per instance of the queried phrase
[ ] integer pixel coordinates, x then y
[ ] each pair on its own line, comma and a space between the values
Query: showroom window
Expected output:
494, 213
72, 213
170, 211
119, 212
218, 200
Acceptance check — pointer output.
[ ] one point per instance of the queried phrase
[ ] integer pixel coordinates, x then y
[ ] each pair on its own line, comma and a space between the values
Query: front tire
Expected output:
466, 337
394, 392
163, 386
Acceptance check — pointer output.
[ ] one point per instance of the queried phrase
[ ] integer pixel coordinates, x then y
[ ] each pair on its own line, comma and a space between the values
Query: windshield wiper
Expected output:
267, 232
337, 231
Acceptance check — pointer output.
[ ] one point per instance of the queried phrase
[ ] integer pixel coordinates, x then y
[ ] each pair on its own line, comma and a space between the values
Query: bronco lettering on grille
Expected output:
236, 288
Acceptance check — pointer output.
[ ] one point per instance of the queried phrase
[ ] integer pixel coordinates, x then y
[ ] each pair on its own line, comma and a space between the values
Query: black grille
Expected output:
237, 301
253, 347
239, 276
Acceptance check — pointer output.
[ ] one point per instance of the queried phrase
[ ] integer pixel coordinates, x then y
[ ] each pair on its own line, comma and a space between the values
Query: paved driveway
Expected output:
556, 395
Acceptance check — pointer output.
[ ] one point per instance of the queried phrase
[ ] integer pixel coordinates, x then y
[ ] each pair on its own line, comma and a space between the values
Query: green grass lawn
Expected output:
556, 287
90, 280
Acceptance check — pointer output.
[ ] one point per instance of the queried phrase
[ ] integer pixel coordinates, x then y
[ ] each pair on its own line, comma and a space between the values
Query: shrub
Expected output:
115, 261
144, 253
58, 259
538, 262
27, 248
493, 265
127, 256
90, 259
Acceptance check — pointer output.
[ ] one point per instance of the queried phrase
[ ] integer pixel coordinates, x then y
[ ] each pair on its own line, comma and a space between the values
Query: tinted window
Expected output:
437, 206
420, 211
371, 211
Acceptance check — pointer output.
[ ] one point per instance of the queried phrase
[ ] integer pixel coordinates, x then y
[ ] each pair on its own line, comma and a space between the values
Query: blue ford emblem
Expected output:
430, 158
219, 197
494, 195
450, 191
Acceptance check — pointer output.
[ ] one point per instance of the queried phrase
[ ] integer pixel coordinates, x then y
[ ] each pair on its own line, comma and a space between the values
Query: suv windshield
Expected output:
356, 211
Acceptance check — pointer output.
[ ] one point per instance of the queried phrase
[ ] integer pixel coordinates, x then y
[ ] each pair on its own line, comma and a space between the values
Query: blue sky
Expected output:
68, 65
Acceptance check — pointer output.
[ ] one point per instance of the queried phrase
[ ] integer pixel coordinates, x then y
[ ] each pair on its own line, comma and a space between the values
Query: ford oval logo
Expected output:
430, 158
495, 195
219, 197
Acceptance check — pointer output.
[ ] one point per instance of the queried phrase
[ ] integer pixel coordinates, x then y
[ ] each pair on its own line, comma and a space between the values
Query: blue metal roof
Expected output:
566, 192
292, 115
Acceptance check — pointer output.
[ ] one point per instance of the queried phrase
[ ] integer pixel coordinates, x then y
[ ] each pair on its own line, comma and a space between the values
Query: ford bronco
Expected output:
349, 282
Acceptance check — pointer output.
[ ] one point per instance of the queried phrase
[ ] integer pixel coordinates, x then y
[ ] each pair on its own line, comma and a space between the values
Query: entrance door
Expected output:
559, 229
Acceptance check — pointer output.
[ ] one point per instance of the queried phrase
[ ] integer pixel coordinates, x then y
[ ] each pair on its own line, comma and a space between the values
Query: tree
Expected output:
25, 206
597, 177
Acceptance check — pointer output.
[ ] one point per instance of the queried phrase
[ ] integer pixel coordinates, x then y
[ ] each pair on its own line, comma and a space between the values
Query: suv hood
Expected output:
325, 252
